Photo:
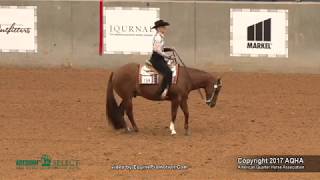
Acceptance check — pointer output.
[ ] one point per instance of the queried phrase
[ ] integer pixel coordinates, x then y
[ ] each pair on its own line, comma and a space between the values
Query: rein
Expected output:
176, 54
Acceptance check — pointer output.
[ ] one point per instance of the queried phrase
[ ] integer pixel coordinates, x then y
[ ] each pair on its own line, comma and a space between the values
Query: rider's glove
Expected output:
168, 49
171, 57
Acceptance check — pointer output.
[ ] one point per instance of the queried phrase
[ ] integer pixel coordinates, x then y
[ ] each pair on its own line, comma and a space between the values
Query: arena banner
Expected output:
18, 29
259, 32
127, 30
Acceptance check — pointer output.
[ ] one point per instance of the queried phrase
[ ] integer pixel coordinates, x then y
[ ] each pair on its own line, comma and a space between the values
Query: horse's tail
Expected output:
114, 114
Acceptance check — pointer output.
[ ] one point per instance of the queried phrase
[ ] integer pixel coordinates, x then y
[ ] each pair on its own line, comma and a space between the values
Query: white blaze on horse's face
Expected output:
172, 129
210, 91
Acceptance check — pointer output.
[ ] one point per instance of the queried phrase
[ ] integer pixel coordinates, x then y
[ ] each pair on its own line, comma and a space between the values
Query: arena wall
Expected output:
68, 35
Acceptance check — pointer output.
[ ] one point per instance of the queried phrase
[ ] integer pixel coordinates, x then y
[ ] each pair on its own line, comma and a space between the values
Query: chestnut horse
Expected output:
124, 82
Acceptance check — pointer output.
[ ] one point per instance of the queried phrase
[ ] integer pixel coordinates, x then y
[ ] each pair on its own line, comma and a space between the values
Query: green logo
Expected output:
46, 162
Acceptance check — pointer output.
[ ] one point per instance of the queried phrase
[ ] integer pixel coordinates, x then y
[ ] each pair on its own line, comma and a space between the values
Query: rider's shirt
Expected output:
158, 44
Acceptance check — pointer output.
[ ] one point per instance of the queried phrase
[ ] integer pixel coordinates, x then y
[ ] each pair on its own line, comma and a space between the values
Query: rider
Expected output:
158, 57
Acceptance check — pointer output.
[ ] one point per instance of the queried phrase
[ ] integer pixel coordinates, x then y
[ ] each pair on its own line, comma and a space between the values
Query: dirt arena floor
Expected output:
61, 112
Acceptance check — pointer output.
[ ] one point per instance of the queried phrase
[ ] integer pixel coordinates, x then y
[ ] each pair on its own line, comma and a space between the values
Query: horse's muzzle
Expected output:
211, 105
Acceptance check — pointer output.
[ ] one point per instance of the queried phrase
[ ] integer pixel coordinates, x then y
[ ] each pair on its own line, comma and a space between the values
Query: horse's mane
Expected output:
198, 71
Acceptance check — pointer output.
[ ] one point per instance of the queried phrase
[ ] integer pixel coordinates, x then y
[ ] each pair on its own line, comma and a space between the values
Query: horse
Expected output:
124, 82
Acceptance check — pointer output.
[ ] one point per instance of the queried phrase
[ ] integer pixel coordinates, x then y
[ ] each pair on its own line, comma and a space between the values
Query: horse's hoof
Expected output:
136, 130
173, 133
187, 133
127, 130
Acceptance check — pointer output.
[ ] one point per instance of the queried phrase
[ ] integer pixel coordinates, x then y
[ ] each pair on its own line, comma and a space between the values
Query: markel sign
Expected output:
259, 32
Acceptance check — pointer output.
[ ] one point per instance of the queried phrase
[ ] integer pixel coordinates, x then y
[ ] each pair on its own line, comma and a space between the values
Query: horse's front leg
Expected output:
174, 110
184, 107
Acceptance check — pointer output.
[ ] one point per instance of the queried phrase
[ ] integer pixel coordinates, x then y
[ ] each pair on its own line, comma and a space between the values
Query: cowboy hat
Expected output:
160, 23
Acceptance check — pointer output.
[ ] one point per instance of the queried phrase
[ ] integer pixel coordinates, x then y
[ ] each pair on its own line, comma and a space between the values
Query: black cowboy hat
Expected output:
160, 23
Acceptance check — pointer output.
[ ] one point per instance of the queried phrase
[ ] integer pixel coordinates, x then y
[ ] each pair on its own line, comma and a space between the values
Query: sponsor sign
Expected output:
18, 29
259, 32
46, 162
128, 30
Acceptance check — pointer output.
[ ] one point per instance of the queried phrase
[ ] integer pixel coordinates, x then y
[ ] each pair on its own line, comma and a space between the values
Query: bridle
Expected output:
209, 101
216, 88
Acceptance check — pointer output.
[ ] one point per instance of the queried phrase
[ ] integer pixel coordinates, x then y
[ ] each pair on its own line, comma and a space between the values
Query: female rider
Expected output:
158, 57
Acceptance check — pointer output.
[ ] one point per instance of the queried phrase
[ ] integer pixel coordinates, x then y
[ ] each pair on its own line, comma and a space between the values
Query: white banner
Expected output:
18, 29
128, 30
259, 32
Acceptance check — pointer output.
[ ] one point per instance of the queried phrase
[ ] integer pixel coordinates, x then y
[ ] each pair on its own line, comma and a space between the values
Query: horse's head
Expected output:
212, 92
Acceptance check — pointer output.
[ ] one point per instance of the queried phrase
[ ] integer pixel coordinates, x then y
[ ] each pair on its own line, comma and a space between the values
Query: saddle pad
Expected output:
148, 75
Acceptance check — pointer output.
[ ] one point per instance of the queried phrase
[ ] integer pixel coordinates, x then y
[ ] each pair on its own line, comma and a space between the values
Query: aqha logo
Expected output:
14, 28
259, 35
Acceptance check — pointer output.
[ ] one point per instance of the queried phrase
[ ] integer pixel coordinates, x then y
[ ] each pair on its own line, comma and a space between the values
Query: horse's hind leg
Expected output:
184, 107
121, 106
122, 109
129, 111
